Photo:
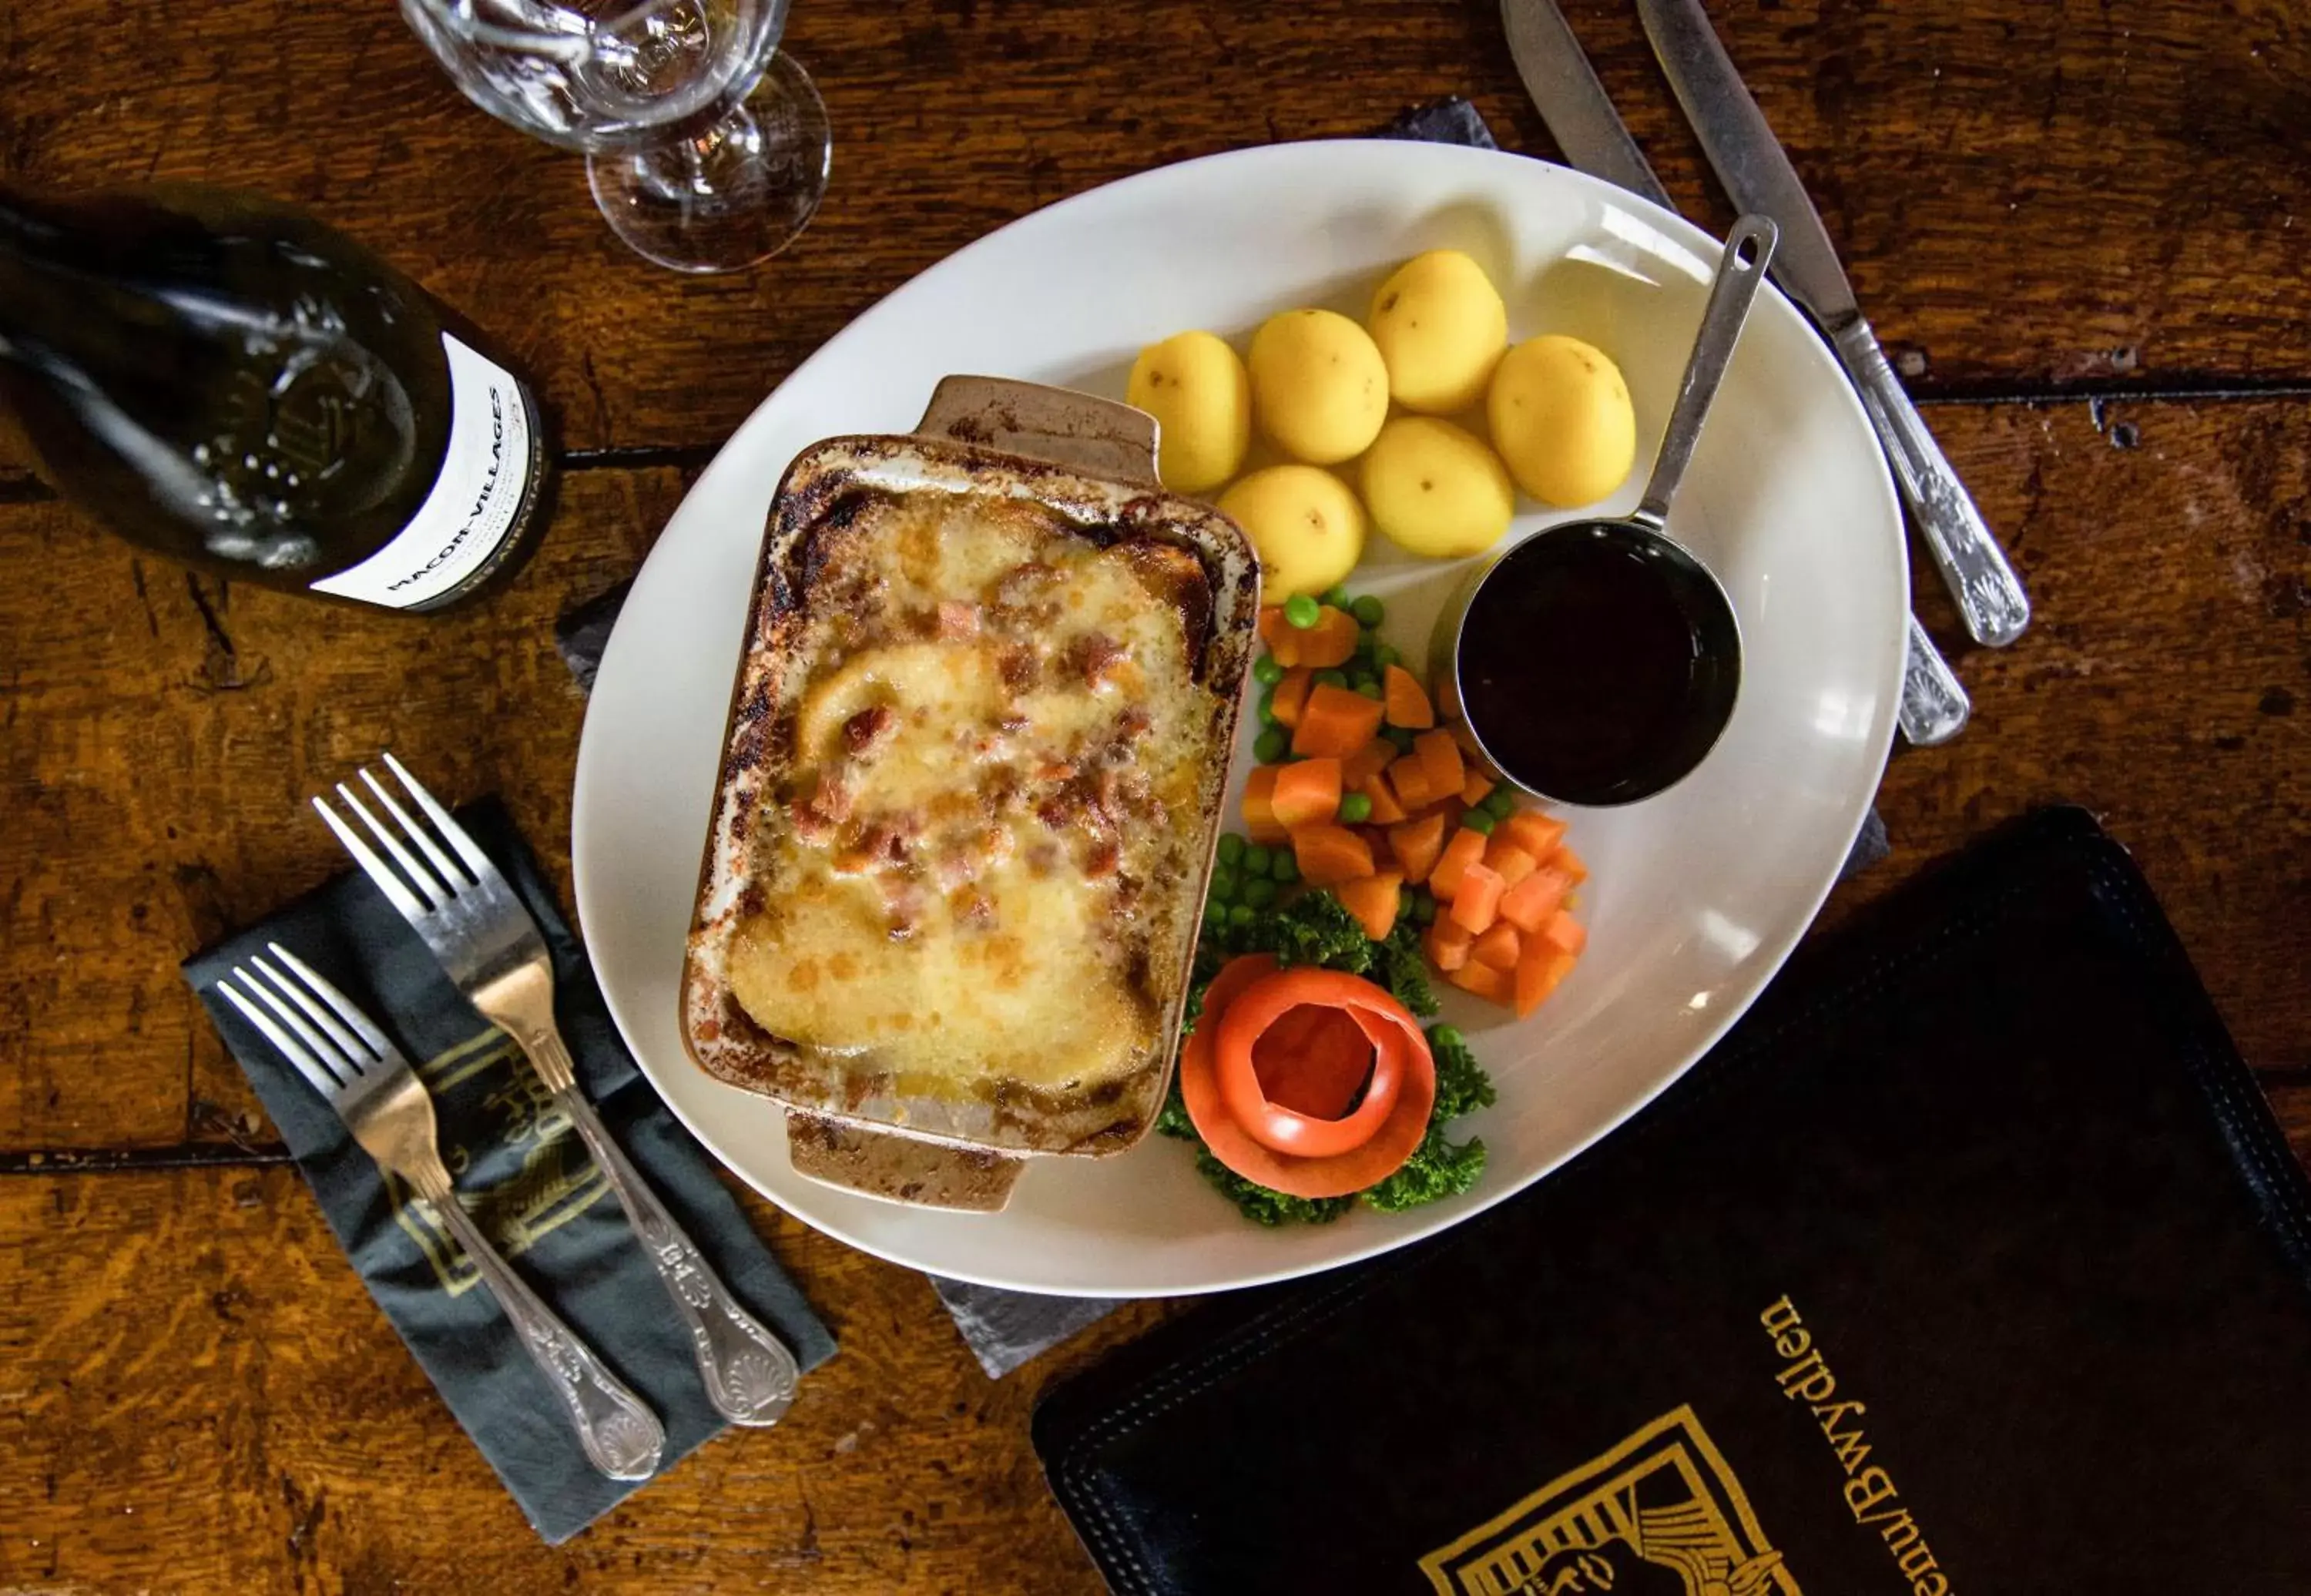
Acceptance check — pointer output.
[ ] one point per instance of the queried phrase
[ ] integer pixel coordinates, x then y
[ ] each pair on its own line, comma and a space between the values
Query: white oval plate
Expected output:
1696, 896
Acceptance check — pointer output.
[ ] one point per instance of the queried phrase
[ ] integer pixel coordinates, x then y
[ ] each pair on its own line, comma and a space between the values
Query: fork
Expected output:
349, 1061
490, 946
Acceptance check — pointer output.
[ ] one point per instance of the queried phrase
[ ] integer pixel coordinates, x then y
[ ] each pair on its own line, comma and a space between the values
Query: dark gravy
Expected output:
1596, 669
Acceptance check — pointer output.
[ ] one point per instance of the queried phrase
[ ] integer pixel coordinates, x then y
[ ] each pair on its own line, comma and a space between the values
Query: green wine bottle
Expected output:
242, 389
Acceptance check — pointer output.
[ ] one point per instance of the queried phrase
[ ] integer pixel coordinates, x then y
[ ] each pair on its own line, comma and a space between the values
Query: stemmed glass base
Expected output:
722, 195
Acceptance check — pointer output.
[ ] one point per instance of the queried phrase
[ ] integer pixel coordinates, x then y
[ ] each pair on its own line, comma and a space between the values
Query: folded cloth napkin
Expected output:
524, 1174
1004, 1329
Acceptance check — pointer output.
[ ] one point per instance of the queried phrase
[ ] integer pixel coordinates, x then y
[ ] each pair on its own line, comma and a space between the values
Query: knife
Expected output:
1581, 117
1758, 177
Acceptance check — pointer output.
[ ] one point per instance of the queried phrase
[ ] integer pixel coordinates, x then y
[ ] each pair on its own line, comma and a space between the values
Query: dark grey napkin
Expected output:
1004, 1329
524, 1174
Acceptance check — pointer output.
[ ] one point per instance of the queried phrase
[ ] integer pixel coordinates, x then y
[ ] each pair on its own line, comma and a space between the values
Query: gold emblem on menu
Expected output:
1660, 1514
557, 1180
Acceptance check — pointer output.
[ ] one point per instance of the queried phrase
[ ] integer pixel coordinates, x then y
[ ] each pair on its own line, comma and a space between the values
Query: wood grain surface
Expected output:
2030, 193
2080, 223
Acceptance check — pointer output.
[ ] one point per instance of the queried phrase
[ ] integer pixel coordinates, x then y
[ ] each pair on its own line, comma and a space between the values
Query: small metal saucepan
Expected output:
1597, 663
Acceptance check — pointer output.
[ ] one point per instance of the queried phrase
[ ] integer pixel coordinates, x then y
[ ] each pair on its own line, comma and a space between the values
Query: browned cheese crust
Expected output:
994, 743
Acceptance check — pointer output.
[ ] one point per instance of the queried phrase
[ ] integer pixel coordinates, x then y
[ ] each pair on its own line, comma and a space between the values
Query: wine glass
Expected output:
707, 146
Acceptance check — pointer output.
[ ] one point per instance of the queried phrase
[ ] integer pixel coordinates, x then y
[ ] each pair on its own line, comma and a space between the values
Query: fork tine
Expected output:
415, 832
348, 1047
428, 886
316, 1075
396, 890
458, 837
333, 1061
347, 1009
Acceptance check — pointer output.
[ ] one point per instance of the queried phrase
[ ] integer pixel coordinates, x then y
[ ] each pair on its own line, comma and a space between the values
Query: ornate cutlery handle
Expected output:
1935, 705
1989, 594
750, 1376
621, 1437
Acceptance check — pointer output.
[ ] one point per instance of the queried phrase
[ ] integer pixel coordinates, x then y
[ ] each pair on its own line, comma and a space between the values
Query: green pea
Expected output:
1448, 1036
1478, 820
1331, 678
1356, 809
1264, 706
1241, 915
1231, 848
1382, 657
1260, 894
1369, 611
1270, 745
1365, 685
1224, 881
1257, 859
1215, 913
1501, 802
1399, 737
1423, 909
1285, 871
1266, 671
1302, 611
1337, 596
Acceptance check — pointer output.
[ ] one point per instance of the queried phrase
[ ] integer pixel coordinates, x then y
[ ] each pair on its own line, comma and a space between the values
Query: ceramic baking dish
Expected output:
999, 448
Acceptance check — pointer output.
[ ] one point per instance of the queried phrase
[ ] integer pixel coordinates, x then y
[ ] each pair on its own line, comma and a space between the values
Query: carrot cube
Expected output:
1466, 848
1537, 833
1328, 855
1494, 986
1336, 722
1473, 789
1259, 805
1447, 946
1568, 864
1330, 641
1565, 934
1536, 974
1498, 946
1307, 792
1370, 761
1439, 758
1292, 695
1476, 898
1385, 809
1513, 863
1375, 900
1532, 902
1407, 705
1281, 636
1408, 777
1416, 845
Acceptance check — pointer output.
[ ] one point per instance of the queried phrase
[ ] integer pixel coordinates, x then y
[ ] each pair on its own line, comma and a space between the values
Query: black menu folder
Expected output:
1971, 1260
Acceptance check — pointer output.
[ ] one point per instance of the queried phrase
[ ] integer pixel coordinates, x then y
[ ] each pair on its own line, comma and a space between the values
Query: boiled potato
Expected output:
1200, 397
1305, 523
1441, 327
1319, 387
1435, 490
1561, 418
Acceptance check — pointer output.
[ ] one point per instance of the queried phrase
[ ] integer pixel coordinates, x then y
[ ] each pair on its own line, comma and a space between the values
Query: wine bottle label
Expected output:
474, 503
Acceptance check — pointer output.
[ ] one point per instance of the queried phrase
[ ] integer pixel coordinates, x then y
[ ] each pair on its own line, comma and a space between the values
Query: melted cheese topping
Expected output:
993, 720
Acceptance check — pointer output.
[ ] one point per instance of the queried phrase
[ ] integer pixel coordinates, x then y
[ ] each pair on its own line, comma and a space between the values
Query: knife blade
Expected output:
1581, 117
1758, 177
1580, 114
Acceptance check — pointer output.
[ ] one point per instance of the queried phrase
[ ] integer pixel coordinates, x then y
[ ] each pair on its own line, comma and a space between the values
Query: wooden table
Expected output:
2080, 227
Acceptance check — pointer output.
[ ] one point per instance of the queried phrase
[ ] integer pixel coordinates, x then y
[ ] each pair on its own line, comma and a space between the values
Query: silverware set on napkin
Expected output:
463, 910
1758, 177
